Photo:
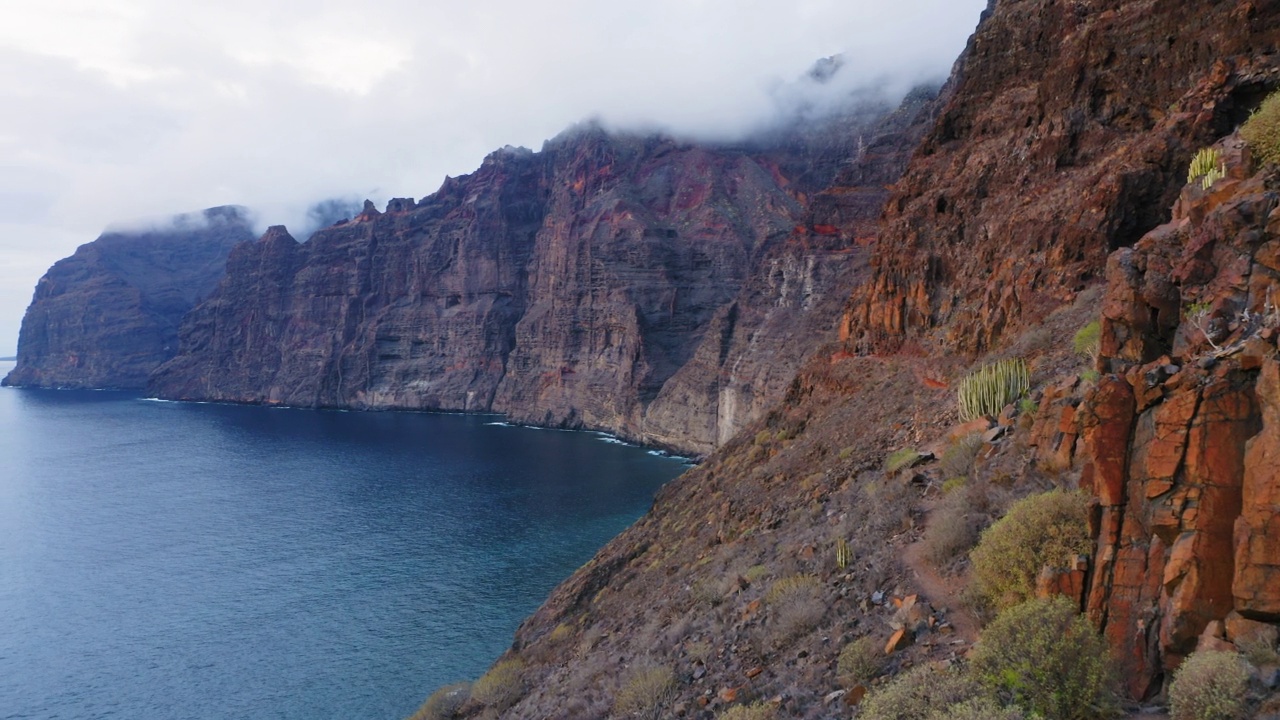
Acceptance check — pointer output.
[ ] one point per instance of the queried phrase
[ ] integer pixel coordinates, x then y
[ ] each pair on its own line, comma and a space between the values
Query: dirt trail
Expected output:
939, 591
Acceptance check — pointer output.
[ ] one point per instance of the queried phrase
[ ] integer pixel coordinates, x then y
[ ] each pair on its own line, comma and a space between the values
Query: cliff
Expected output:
1067, 137
109, 314
662, 290
1052, 188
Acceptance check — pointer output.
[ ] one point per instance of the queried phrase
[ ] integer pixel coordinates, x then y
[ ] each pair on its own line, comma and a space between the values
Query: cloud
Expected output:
137, 108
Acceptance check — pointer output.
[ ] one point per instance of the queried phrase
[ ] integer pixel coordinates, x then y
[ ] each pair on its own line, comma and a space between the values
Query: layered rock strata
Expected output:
661, 290
107, 316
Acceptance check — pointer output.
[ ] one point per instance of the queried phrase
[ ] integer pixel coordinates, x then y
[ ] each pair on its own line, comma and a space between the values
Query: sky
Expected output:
119, 110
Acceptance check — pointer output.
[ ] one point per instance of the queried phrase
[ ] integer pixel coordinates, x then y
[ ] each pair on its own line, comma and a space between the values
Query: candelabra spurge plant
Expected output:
1207, 167
991, 388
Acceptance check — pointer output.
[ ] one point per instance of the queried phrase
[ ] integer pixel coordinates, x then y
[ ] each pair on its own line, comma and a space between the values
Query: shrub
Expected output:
900, 459
444, 703
1209, 686
860, 661
1258, 651
785, 589
988, 390
795, 607
915, 694
1088, 341
756, 573
953, 526
754, 711
1027, 406
502, 686
958, 458
980, 708
645, 693
1262, 130
561, 633
1206, 167
1047, 659
1045, 529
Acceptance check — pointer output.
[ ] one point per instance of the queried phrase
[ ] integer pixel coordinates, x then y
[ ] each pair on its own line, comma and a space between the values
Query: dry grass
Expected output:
755, 711
502, 686
645, 693
444, 703
795, 607
860, 661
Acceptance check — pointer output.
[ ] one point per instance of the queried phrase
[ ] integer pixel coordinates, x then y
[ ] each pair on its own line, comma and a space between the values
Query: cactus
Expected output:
988, 390
1207, 167
844, 553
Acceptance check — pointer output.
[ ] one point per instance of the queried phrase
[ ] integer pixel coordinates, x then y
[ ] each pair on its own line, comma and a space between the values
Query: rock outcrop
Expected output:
1180, 437
662, 290
1066, 136
107, 316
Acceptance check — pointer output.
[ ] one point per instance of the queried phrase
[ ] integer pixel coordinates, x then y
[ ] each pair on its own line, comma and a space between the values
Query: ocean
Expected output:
167, 560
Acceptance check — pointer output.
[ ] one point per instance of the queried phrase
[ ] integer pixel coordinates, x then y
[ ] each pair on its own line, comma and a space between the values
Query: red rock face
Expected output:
1180, 441
1066, 135
108, 315
660, 290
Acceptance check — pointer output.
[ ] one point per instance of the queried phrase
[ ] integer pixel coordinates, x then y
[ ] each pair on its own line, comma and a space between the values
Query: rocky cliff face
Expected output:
1067, 136
662, 290
109, 314
1178, 440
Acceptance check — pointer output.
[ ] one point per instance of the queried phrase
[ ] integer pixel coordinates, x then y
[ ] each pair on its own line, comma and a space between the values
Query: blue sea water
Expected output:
168, 560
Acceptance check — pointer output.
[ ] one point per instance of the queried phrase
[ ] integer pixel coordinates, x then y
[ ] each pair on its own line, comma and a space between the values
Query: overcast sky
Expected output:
122, 109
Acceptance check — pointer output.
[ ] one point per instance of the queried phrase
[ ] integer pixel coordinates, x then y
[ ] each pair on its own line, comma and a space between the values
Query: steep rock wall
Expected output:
1179, 439
662, 290
108, 315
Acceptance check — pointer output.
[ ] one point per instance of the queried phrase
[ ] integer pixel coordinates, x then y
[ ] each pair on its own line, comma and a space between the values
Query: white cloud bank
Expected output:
130, 108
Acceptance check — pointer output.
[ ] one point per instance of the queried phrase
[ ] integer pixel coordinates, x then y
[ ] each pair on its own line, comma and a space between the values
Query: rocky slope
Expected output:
1063, 141
108, 315
665, 291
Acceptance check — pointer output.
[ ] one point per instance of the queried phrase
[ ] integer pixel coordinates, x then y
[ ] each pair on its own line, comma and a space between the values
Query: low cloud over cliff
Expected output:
146, 107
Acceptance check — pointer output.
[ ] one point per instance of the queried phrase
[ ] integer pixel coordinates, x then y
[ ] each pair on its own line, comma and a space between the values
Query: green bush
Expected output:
1088, 341
1045, 529
860, 661
981, 708
645, 693
502, 686
917, 693
900, 459
1047, 659
1262, 130
1209, 686
444, 703
754, 711
989, 389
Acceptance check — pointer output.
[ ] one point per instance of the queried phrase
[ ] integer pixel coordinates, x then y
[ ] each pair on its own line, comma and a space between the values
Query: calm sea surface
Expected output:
166, 561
